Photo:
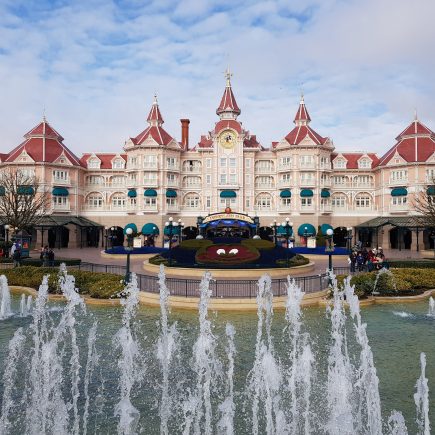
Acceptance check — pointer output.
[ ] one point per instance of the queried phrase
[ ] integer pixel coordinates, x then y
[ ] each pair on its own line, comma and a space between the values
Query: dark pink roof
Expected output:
106, 159
155, 114
205, 142
42, 134
352, 159
416, 127
155, 132
251, 142
302, 113
228, 102
300, 132
3, 157
228, 123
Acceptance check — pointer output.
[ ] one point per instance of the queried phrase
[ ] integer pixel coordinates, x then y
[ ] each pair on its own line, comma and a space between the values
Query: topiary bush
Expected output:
195, 243
157, 260
258, 243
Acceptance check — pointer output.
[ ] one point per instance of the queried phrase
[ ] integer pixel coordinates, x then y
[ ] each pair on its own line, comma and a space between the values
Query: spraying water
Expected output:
381, 274
129, 363
421, 399
166, 348
5, 299
396, 424
431, 312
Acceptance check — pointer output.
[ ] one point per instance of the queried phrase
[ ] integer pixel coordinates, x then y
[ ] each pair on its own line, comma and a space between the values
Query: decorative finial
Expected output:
155, 98
415, 114
44, 119
302, 94
228, 75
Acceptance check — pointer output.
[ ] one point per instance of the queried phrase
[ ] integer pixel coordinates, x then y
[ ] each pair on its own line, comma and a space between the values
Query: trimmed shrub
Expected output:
258, 243
195, 243
97, 285
157, 260
296, 260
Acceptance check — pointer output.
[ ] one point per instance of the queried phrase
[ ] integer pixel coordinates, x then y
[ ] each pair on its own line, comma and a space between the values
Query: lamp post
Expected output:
349, 239
330, 249
112, 230
129, 248
106, 236
181, 226
306, 236
170, 225
273, 225
288, 228
6, 240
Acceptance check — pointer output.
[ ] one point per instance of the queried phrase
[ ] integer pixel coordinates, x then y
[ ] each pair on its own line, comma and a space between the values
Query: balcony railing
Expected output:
307, 209
61, 180
285, 167
398, 181
172, 183
61, 208
192, 169
118, 208
192, 185
153, 166
307, 165
325, 183
399, 208
307, 182
150, 182
285, 183
264, 185
172, 208
326, 208
264, 170
149, 208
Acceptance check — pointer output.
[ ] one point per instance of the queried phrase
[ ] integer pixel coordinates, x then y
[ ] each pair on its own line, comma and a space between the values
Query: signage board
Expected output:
235, 216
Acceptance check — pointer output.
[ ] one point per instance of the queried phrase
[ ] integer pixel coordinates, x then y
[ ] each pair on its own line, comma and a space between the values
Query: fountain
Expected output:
25, 305
65, 374
380, 274
5, 299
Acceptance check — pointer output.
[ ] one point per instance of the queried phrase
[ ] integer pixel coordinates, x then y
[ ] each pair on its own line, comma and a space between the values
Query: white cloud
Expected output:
364, 66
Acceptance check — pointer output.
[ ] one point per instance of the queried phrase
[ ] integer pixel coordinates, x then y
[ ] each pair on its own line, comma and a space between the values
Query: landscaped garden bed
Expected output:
37, 262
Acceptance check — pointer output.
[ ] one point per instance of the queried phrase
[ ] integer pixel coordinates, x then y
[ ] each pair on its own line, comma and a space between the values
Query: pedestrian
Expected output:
360, 261
352, 262
50, 258
44, 257
17, 257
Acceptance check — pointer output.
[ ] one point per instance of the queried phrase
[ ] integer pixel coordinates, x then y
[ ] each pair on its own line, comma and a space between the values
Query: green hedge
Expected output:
36, 262
258, 243
96, 285
157, 260
297, 260
195, 243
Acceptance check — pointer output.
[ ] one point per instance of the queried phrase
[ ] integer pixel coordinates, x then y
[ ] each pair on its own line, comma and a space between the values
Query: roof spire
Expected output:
155, 118
302, 117
228, 108
44, 119
415, 114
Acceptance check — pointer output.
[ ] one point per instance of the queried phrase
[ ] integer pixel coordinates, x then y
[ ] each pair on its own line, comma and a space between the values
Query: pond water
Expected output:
132, 369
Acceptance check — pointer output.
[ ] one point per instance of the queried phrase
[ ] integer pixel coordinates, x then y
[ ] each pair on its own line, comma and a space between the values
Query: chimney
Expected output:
185, 133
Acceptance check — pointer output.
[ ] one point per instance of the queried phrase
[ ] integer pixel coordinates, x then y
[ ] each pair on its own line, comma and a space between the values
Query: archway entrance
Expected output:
429, 238
400, 238
93, 236
190, 233
58, 237
116, 236
340, 237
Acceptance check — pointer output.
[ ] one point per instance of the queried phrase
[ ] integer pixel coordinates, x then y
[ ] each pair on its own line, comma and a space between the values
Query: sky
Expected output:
93, 66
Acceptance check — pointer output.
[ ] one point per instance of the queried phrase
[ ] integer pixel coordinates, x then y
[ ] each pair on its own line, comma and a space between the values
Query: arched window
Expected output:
118, 200
338, 200
363, 200
192, 200
263, 201
94, 200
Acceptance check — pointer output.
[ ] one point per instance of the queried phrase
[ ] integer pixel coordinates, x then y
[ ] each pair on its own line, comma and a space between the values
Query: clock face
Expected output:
227, 139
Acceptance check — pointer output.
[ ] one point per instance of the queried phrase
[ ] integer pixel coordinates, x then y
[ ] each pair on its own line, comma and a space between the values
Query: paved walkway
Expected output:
93, 255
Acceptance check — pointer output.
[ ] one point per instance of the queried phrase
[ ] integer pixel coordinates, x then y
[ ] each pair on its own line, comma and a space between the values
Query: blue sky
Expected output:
94, 65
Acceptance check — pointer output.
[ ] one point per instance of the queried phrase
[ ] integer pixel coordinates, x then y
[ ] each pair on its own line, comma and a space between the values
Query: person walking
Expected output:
44, 257
352, 262
50, 257
17, 257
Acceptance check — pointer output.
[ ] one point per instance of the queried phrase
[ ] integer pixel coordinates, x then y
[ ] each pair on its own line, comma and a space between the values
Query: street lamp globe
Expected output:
171, 219
329, 232
129, 231
175, 224
166, 224
283, 224
7, 227
291, 224
287, 219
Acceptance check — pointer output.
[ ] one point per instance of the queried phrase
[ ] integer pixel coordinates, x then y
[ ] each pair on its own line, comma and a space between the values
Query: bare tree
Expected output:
424, 205
22, 204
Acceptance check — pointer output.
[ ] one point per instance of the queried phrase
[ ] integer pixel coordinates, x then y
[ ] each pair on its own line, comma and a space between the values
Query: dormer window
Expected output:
118, 164
93, 164
340, 164
364, 163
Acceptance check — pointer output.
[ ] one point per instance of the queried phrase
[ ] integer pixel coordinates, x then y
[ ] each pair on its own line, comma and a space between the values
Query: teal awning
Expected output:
325, 227
430, 190
2, 191
325, 193
282, 231
150, 192
25, 190
171, 193
228, 194
175, 231
399, 191
132, 193
150, 229
60, 191
285, 194
132, 226
306, 193
306, 230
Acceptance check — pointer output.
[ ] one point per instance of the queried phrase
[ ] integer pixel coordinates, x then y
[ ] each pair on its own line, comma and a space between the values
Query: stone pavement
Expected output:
92, 255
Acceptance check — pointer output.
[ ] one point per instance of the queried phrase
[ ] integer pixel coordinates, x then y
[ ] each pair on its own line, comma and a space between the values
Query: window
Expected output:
263, 201
306, 202
208, 179
94, 164
132, 162
340, 180
264, 166
150, 178
227, 202
192, 200
264, 181
430, 175
192, 181
118, 164
118, 200
132, 202
285, 162
399, 200
338, 201
400, 175
286, 202
150, 161
325, 162
363, 180
233, 179
306, 161
171, 178
94, 200
208, 163
60, 175
248, 179
171, 202
324, 202
223, 162
208, 202
362, 201
95, 180
192, 166
307, 177
118, 180
232, 162
223, 179
171, 162
248, 163
325, 180
247, 203
132, 178
286, 178
340, 164
364, 163
60, 201
150, 202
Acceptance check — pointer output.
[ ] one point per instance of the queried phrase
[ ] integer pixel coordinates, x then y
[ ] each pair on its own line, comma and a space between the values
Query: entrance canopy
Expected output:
306, 230
228, 194
325, 227
150, 229
399, 221
132, 226
57, 221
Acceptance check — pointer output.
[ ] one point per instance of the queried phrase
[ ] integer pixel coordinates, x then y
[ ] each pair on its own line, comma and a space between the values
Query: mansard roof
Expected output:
353, 158
415, 144
105, 159
43, 144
